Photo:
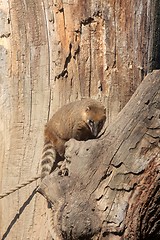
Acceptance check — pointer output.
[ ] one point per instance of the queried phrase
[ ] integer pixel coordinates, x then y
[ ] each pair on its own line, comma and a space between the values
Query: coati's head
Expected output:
95, 117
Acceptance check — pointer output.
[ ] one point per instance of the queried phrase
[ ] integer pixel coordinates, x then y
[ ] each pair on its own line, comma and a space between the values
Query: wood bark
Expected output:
53, 52
113, 187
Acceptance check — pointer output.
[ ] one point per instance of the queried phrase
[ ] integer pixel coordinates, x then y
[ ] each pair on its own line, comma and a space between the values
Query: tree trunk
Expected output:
53, 52
112, 191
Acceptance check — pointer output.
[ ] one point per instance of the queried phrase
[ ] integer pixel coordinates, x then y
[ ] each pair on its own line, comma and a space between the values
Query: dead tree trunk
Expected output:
53, 52
112, 191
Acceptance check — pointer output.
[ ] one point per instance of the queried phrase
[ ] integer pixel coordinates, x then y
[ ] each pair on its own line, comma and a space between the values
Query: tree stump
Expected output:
112, 191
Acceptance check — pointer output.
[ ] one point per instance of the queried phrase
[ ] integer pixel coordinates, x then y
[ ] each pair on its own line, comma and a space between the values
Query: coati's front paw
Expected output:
63, 170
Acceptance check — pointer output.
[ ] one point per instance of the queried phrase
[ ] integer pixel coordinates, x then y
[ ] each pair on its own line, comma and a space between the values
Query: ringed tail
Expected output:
48, 159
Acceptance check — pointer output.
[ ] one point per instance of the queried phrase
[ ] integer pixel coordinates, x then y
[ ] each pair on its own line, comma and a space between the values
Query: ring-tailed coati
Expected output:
81, 120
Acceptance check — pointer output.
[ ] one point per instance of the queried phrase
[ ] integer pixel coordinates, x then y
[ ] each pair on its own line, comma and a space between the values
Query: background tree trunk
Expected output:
53, 52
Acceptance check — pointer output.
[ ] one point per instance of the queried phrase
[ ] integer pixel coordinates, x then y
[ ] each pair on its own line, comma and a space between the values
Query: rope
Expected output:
19, 186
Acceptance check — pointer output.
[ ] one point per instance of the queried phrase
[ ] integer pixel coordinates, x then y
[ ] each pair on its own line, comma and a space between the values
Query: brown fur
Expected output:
71, 121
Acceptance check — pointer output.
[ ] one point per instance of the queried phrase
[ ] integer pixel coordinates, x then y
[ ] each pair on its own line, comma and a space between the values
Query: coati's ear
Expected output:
88, 109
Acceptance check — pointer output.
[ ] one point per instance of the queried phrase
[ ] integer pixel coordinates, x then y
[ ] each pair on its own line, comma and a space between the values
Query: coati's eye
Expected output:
100, 124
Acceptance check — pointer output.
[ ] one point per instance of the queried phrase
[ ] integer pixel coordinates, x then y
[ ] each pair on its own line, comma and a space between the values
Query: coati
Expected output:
81, 120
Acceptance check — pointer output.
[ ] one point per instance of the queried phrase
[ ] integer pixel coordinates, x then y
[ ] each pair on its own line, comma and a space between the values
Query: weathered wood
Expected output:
53, 52
112, 190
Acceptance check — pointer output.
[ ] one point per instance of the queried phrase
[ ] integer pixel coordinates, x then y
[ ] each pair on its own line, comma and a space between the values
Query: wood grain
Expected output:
51, 53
